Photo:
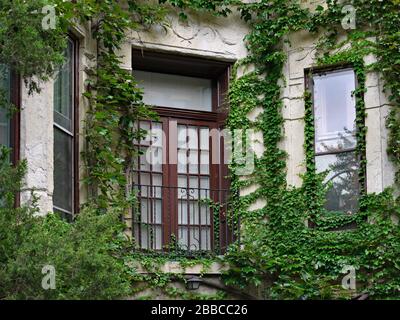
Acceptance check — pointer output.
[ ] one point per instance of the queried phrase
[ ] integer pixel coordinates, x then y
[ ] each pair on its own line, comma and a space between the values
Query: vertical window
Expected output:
335, 137
9, 115
64, 135
5, 95
175, 178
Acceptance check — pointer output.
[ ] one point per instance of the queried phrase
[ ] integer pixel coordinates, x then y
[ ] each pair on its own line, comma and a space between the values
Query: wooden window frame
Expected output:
75, 128
219, 74
16, 118
15, 126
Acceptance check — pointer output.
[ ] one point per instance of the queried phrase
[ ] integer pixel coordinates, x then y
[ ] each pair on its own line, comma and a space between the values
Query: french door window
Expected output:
179, 180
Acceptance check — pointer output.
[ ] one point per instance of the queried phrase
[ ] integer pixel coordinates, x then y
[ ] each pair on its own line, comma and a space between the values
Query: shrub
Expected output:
87, 254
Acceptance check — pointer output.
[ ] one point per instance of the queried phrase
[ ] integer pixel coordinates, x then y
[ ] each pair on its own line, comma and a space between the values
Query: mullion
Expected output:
187, 184
63, 129
335, 152
139, 224
151, 175
198, 182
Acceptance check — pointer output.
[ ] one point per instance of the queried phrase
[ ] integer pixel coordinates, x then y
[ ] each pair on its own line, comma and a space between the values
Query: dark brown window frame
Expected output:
75, 128
76, 203
16, 117
308, 75
219, 73
16, 125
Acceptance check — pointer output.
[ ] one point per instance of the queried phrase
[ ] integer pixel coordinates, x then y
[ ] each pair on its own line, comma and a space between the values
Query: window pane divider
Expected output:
63, 129
62, 210
327, 153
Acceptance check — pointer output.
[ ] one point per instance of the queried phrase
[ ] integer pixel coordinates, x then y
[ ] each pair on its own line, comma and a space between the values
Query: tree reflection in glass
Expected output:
335, 137
342, 177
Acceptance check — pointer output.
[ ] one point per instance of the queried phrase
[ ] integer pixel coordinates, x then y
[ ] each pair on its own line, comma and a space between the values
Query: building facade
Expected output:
185, 72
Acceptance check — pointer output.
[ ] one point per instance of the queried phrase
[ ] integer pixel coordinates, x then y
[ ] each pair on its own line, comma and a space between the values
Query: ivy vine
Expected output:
277, 248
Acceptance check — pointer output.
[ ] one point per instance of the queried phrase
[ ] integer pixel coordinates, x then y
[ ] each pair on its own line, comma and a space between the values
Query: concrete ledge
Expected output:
216, 268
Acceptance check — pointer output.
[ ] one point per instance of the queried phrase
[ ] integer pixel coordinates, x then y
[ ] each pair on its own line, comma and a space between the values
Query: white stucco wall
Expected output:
37, 145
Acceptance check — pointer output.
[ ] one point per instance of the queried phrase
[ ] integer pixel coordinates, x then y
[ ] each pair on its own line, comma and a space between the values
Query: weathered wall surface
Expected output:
212, 38
37, 145
37, 130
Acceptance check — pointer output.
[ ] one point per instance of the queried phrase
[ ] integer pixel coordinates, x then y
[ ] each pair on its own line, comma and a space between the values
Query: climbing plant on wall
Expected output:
278, 249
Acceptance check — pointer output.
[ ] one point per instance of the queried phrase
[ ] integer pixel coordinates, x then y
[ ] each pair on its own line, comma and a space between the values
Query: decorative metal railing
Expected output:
187, 221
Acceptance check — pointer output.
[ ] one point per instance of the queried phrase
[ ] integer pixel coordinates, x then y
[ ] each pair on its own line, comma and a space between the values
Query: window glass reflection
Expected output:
343, 179
62, 196
334, 111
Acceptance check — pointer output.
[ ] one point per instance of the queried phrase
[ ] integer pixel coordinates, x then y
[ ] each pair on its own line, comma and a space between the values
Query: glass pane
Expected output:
157, 237
193, 187
204, 162
157, 211
194, 212
145, 185
167, 90
343, 175
205, 214
145, 159
145, 211
145, 239
136, 180
157, 185
182, 161
205, 239
145, 125
151, 237
182, 187
204, 138
193, 138
63, 90
183, 237
151, 148
157, 135
151, 211
193, 160
62, 170
156, 158
5, 90
335, 112
194, 239
205, 188
182, 212
182, 136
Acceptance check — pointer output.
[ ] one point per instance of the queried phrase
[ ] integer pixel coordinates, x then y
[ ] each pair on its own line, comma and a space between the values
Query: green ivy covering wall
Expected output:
278, 249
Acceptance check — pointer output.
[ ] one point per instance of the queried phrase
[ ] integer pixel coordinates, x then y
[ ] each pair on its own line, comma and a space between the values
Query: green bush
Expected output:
87, 254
